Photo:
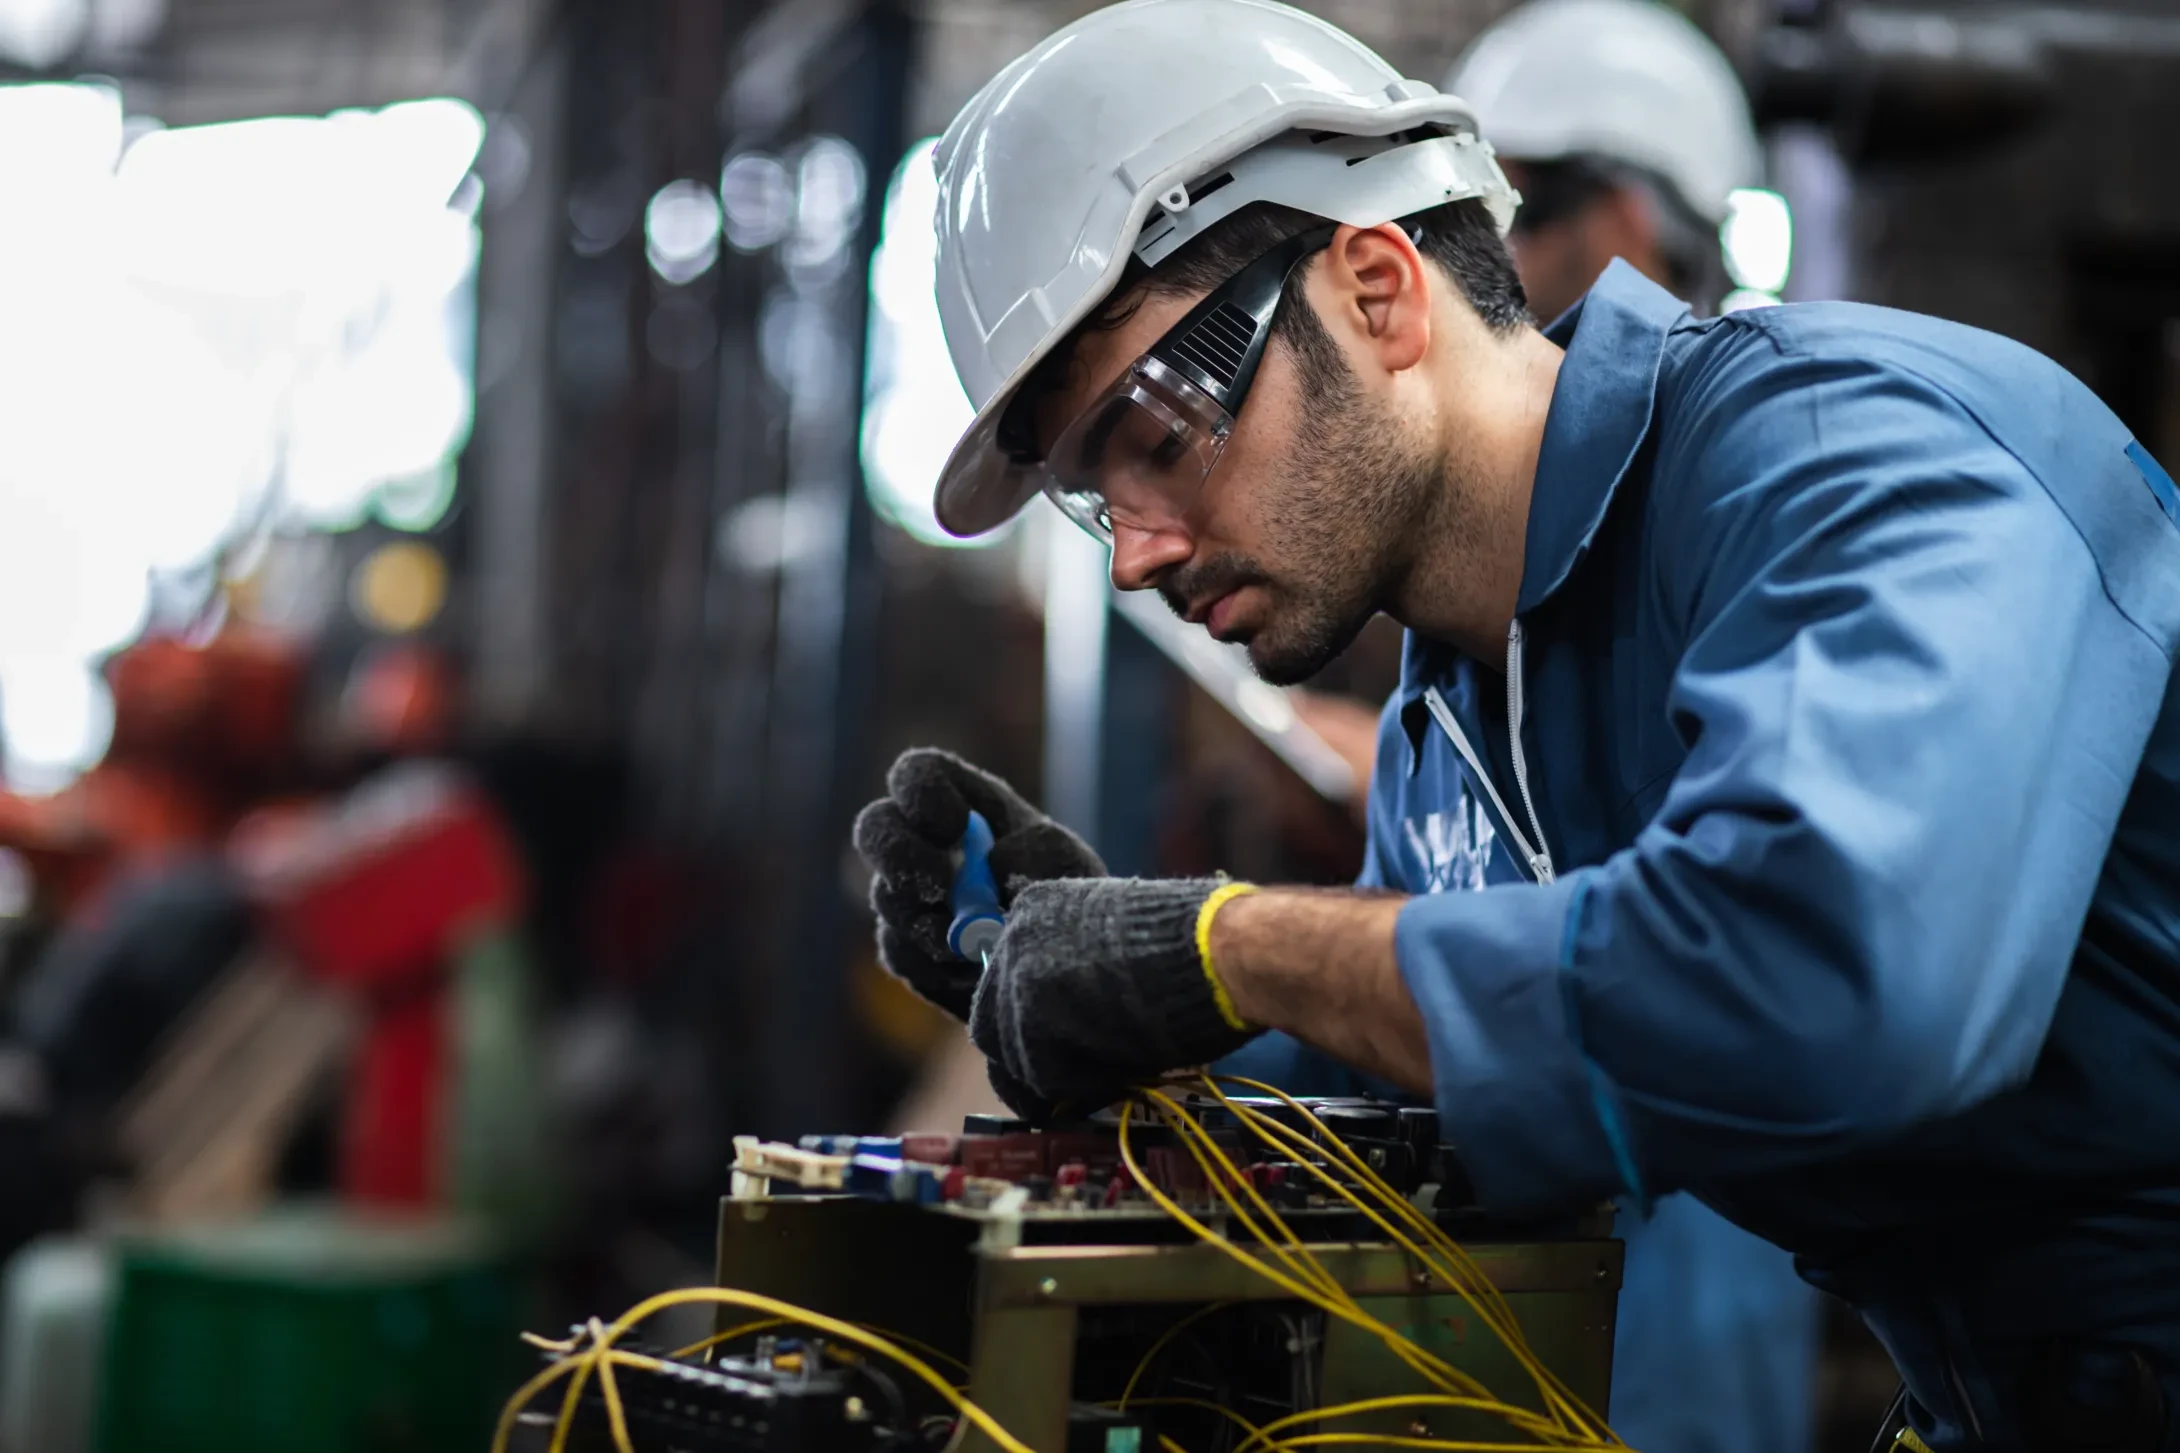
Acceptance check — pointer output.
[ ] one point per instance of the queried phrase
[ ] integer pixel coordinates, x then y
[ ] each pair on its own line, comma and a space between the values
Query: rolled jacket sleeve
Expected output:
1911, 714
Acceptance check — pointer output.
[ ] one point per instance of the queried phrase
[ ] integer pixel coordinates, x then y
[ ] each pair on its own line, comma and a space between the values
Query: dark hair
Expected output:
1459, 237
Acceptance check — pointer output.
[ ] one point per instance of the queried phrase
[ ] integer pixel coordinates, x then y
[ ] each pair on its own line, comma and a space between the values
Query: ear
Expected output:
1374, 287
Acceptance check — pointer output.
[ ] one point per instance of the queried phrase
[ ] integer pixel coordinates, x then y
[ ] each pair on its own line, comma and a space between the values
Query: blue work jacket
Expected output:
1837, 738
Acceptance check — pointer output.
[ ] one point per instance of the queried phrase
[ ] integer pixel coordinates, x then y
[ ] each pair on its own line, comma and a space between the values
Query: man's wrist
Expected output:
1206, 917
1280, 953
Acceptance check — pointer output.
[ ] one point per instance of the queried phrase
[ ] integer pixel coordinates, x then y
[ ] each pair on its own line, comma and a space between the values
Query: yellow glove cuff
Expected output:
1222, 895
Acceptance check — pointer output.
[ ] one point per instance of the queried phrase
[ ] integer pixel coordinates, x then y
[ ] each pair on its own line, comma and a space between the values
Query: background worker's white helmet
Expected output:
1128, 133
1624, 80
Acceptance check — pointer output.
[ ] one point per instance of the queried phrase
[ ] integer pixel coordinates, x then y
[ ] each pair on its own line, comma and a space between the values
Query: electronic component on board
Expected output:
791, 1397
1076, 1166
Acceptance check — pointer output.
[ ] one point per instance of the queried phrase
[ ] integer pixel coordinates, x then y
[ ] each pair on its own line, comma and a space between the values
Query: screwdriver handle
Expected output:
977, 919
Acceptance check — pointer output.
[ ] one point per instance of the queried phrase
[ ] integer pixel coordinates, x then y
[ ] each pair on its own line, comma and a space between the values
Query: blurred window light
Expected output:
757, 193
56, 717
770, 532
829, 189
419, 502
41, 33
681, 231
68, 586
1758, 239
1741, 298
244, 325
914, 410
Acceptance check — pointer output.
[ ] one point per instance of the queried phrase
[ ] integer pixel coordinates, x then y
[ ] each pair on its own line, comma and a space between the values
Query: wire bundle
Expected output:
1566, 1422
1287, 1263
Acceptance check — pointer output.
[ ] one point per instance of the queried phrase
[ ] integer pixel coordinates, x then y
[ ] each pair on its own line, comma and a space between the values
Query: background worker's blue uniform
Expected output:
1849, 723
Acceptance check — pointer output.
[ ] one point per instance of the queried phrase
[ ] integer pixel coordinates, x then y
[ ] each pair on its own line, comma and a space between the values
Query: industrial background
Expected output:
465, 541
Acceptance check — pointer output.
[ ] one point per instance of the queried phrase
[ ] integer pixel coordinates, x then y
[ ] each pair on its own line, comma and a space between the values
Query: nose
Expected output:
1140, 556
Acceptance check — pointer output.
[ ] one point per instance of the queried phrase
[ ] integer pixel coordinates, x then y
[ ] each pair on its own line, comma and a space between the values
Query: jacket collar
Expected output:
1601, 410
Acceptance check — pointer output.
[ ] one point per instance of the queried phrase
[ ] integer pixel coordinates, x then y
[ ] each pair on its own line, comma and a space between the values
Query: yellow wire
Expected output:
1419, 1358
1297, 1146
724, 1296
718, 1338
1426, 1364
1281, 1136
1275, 1235
760, 1325
1165, 1338
1268, 1434
1300, 1275
1479, 1289
1343, 1308
1468, 1278
1396, 1440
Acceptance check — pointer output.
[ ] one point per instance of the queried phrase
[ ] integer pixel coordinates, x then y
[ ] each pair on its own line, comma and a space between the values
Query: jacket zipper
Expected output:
1537, 859
1521, 763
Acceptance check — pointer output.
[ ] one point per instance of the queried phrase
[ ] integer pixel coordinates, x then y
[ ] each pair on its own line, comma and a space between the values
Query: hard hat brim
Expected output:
981, 488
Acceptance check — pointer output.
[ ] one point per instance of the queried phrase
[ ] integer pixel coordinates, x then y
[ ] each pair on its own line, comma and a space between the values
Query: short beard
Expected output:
1348, 515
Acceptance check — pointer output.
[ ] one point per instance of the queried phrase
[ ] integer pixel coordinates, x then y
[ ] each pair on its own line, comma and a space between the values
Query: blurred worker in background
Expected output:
1626, 132
1790, 691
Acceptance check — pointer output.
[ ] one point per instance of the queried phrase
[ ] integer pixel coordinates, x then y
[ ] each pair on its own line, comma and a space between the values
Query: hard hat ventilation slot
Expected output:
1162, 224
1199, 190
1217, 345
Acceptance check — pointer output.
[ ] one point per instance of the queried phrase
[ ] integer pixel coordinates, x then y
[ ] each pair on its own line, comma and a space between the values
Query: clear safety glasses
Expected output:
1139, 454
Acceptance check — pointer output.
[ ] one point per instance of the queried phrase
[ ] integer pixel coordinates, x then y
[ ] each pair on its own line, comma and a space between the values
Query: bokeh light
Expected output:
210, 329
681, 231
1758, 240
915, 410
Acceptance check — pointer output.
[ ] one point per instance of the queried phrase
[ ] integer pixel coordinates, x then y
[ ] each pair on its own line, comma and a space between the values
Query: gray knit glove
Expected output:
909, 838
1096, 986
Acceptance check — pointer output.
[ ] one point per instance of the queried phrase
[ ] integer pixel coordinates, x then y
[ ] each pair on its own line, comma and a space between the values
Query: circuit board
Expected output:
1170, 1277
1078, 1166
1051, 1176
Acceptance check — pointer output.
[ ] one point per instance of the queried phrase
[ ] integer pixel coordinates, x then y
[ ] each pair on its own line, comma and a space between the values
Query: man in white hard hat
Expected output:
1627, 133
1810, 667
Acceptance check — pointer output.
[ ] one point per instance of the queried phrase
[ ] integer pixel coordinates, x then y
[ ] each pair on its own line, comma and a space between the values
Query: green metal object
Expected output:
309, 1330
1013, 1312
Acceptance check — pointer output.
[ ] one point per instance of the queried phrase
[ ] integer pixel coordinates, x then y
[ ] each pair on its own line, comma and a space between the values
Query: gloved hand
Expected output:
1096, 986
909, 838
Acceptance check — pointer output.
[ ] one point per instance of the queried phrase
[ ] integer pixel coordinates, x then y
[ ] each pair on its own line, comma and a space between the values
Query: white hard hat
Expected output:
1627, 80
1130, 132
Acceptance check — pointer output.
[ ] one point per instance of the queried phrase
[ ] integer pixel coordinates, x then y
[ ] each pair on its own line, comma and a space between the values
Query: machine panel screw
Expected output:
1049, 1287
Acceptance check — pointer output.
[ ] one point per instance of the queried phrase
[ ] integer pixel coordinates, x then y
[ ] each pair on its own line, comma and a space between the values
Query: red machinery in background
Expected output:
380, 894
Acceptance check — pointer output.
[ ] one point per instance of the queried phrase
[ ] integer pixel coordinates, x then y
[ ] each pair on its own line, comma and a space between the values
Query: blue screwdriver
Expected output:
977, 919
